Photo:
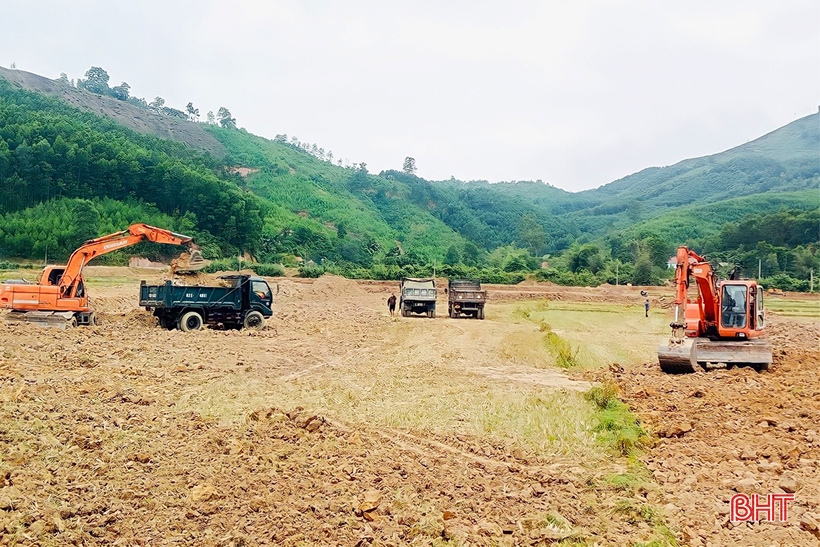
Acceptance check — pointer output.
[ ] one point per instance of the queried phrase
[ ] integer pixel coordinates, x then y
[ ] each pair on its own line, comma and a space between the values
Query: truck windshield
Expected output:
733, 307
261, 289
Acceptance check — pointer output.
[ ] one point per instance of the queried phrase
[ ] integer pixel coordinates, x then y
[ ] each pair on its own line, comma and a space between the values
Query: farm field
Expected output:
340, 425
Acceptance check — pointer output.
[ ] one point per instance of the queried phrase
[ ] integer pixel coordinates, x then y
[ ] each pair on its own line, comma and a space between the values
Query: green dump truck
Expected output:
465, 297
243, 301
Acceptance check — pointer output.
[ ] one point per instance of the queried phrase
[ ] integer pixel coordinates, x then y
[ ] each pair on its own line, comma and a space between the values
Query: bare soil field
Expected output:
729, 431
340, 425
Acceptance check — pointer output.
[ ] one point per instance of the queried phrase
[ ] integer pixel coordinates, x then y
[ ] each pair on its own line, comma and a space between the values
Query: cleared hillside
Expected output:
139, 119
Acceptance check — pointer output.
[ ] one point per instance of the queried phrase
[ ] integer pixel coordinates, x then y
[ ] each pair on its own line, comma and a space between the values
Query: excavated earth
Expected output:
128, 434
733, 431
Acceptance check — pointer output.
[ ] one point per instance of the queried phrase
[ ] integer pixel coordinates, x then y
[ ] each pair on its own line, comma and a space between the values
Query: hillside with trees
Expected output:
79, 159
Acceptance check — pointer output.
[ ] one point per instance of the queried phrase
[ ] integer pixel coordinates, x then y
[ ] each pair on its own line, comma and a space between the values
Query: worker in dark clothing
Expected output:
391, 304
646, 307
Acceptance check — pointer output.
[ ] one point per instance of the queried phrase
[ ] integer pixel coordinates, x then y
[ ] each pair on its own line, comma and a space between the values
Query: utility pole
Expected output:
759, 267
617, 263
811, 280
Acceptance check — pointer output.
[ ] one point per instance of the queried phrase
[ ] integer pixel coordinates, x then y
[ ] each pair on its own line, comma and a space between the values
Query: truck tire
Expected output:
190, 321
254, 320
480, 313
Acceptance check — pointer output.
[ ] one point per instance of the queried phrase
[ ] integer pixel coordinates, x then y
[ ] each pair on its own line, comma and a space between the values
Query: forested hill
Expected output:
84, 159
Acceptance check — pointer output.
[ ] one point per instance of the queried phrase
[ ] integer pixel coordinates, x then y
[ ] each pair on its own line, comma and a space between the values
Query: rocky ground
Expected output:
736, 431
127, 434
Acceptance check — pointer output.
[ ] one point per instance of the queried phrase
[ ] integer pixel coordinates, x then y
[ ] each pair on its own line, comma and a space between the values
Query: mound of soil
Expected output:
729, 431
330, 286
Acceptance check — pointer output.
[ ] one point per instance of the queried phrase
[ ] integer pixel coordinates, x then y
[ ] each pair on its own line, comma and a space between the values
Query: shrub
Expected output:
268, 270
310, 270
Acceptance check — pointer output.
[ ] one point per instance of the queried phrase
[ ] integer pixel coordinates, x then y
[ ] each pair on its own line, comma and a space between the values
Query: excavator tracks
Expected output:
693, 354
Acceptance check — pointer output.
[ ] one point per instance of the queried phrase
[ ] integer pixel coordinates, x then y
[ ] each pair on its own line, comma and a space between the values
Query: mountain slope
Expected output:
139, 119
280, 199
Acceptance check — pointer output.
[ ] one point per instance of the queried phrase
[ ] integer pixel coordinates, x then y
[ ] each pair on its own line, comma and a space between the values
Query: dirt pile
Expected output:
131, 434
730, 431
333, 286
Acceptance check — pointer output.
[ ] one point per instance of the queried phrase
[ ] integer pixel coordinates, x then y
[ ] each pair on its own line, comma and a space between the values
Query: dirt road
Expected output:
336, 425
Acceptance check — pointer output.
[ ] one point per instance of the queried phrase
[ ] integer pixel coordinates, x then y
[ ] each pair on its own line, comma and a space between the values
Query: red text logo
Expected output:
775, 508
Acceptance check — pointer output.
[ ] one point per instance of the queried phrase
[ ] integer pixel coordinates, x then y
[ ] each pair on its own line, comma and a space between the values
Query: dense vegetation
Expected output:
49, 150
67, 174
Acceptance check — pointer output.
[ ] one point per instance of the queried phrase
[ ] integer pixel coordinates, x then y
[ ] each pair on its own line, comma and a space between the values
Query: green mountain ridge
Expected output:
54, 145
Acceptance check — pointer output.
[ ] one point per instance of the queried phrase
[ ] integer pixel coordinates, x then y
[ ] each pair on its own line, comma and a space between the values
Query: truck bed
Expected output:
169, 295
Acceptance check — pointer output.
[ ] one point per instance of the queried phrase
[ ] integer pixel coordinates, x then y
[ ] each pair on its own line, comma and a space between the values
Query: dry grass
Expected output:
435, 388
801, 309
601, 333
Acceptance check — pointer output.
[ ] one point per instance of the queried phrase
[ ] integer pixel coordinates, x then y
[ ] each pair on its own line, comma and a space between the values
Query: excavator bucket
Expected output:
692, 354
189, 262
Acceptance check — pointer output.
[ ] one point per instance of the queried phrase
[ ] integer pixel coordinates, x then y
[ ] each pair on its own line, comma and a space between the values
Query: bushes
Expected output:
785, 282
232, 265
310, 270
268, 270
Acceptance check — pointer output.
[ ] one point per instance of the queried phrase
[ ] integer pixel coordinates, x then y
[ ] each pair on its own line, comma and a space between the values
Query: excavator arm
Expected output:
692, 265
136, 233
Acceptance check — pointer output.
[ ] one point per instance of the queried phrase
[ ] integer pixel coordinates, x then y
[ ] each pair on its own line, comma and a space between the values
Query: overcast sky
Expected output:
575, 93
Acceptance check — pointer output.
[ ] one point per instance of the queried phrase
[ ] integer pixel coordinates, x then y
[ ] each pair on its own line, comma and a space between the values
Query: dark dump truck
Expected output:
244, 302
465, 297
418, 296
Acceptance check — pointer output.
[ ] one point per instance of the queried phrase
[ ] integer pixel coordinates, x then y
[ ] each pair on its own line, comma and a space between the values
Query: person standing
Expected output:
646, 307
391, 304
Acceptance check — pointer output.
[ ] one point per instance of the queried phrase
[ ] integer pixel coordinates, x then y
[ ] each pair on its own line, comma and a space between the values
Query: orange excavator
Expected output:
724, 327
59, 297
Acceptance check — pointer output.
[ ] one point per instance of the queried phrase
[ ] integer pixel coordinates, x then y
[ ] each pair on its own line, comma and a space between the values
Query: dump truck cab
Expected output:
418, 296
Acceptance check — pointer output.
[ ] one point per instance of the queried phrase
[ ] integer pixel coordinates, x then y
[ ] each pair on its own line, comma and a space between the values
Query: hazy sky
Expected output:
575, 93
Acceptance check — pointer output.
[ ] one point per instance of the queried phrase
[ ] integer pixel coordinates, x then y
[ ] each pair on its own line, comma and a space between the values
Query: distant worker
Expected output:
391, 304
646, 307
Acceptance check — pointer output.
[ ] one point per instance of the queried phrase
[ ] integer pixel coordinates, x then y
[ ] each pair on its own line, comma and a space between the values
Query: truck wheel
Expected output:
190, 321
480, 313
254, 320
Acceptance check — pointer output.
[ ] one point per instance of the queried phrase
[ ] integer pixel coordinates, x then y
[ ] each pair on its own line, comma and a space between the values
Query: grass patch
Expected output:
599, 333
565, 356
617, 427
636, 478
798, 308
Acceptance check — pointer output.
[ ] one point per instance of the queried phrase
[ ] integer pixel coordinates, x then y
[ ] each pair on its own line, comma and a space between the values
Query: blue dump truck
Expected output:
244, 302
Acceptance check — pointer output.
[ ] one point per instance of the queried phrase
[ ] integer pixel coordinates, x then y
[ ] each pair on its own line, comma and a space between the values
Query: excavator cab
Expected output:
734, 312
